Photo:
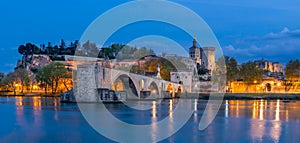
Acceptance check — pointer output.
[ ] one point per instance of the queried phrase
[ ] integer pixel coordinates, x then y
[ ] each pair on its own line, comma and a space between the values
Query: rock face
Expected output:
33, 62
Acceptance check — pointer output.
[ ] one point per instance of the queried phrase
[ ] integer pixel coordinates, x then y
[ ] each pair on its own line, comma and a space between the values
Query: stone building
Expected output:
204, 56
183, 77
278, 67
208, 57
270, 66
195, 52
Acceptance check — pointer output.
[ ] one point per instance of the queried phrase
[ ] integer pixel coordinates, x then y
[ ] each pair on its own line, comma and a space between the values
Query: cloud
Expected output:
281, 46
285, 33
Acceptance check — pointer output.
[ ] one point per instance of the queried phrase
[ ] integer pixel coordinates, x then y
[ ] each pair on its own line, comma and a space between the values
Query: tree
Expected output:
2, 75
29, 49
52, 76
165, 67
43, 77
62, 44
9, 82
232, 72
250, 73
142, 52
22, 77
218, 77
22, 49
292, 74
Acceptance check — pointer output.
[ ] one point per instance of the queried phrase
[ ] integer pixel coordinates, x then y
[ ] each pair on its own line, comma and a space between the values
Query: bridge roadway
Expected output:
90, 77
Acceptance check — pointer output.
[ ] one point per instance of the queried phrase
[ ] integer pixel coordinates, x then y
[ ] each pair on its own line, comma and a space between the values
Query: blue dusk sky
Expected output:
246, 30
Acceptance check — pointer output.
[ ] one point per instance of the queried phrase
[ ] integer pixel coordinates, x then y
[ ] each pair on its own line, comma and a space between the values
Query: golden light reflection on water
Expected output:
267, 117
277, 116
154, 120
153, 110
261, 110
171, 110
36, 102
19, 103
276, 110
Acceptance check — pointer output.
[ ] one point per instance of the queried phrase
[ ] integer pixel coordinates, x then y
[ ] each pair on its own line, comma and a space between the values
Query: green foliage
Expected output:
165, 67
250, 73
8, 82
28, 49
22, 77
219, 74
62, 49
293, 70
232, 72
52, 75
292, 73
125, 52
87, 49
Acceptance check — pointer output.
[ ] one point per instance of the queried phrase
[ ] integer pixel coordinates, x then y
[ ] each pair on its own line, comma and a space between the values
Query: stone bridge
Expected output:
89, 78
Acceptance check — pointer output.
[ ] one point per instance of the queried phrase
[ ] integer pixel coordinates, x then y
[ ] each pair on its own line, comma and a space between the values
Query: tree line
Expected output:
50, 78
89, 49
250, 73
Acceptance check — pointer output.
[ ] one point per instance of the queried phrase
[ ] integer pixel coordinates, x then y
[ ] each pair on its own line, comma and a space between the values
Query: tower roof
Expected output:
195, 41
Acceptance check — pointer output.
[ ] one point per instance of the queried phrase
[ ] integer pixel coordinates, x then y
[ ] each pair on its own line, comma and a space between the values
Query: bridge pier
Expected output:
85, 90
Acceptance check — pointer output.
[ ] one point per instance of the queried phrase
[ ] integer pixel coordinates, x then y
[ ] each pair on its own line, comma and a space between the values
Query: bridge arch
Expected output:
179, 89
124, 82
155, 92
170, 89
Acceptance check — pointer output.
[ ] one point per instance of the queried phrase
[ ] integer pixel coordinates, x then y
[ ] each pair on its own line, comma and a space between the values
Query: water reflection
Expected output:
266, 116
237, 121
171, 110
36, 102
262, 109
154, 110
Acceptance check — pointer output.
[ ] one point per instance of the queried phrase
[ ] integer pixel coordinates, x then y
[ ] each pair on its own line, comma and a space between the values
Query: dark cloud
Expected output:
282, 47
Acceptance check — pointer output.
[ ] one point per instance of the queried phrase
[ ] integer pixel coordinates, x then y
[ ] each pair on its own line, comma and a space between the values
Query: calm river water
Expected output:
46, 120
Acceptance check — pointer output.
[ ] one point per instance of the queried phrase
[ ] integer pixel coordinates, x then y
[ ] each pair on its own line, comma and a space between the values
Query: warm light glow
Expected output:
171, 109
277, 117
154, 109
279, 84
254, 110
34, 87
37, 103
143, 84
261, 110
255, 81
19, 101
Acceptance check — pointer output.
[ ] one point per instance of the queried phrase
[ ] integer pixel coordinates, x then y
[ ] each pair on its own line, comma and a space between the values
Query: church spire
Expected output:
195, 41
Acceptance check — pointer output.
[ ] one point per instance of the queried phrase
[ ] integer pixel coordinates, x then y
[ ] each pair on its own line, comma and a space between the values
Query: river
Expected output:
46, 120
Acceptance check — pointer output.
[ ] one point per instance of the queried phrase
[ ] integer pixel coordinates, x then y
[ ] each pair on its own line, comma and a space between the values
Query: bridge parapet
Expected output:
91, 77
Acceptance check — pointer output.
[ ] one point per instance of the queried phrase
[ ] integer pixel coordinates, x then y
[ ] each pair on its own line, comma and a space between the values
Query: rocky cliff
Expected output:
33, 62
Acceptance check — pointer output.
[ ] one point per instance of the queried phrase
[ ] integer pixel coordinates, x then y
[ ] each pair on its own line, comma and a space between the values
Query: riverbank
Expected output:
28, 95
205, 96
245, 96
